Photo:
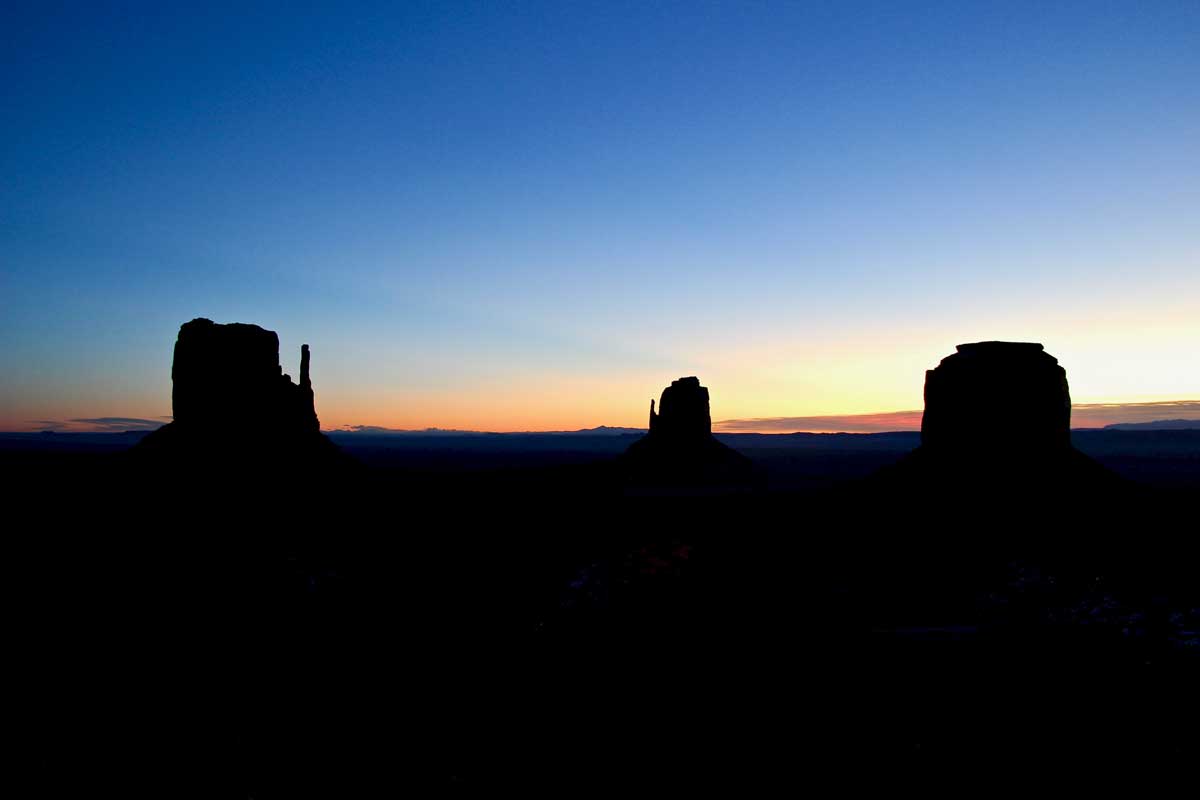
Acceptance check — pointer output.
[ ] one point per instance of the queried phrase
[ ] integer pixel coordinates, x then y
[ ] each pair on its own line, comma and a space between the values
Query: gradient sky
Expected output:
534, 216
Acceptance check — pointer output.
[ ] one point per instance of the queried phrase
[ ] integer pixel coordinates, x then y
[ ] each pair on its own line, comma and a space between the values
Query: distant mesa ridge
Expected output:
1155, 425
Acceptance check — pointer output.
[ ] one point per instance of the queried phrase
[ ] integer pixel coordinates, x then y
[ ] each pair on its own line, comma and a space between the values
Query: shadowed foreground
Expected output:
288, 636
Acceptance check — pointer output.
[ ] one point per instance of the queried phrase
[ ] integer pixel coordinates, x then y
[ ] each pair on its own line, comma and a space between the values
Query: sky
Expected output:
528, 216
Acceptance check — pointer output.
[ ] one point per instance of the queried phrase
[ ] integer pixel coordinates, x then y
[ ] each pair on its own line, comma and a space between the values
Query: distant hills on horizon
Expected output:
607, 430
1155, 425
615, 431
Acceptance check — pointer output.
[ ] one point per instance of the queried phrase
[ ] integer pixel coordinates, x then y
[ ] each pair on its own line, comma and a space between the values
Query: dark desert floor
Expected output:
501, 610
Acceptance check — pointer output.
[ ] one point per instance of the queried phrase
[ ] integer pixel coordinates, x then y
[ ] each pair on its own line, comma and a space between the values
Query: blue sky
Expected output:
536, 215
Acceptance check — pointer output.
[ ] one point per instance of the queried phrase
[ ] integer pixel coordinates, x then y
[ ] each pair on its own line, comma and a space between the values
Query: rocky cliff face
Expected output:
679, 449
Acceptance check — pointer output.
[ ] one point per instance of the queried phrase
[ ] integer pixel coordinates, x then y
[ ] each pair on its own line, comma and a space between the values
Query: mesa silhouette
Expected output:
230, 395
679, 449
998, 416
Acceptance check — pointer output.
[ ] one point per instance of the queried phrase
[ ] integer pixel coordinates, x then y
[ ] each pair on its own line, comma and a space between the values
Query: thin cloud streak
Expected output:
851, 423
98, 424
1097, 415
118, 424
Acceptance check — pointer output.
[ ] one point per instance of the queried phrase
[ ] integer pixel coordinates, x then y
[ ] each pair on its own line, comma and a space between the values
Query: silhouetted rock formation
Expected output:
228, 376
998, 414
230, 392
680, 450
993, 397
683, 411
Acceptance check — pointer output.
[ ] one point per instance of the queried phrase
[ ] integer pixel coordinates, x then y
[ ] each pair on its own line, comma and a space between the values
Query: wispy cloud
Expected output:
120, 423
98, 424
50, 424
845, 423
1097, 415
1083, 415
376, 429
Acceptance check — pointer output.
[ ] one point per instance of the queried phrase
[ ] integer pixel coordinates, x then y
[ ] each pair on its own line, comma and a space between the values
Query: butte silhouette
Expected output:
998, 416
231, 398
679, 450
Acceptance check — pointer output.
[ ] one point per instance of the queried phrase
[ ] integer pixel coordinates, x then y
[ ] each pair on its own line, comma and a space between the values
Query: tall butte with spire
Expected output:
229, 390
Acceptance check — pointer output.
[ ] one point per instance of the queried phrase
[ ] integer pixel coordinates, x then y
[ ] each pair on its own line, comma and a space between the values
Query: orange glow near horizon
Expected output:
756, 381
1084, 415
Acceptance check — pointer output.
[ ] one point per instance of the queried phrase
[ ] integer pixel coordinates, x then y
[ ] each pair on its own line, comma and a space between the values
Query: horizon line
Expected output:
1083, 416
